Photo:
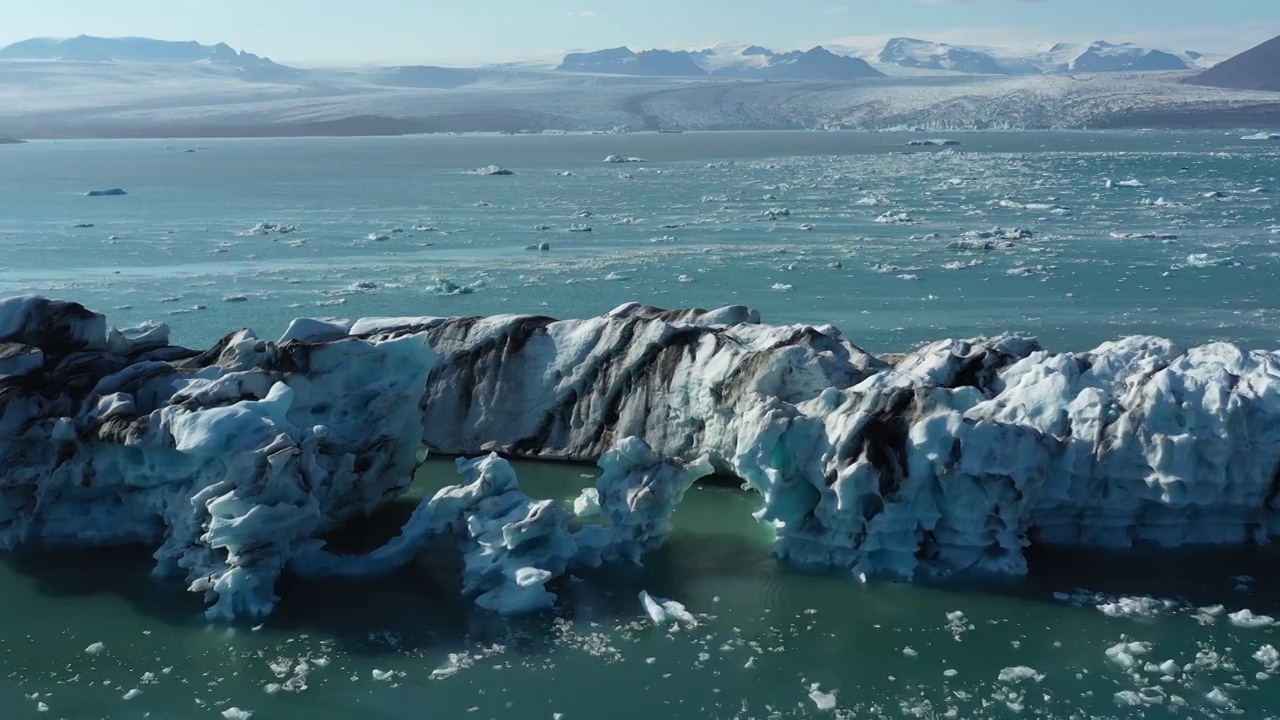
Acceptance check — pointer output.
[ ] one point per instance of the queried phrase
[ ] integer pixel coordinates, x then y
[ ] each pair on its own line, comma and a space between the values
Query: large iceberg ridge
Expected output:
954, 457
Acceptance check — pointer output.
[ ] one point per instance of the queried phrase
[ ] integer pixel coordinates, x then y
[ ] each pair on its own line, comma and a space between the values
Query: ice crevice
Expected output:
234, 460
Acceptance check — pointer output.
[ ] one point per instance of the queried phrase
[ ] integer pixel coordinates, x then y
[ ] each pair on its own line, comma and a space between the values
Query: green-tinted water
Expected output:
767, 633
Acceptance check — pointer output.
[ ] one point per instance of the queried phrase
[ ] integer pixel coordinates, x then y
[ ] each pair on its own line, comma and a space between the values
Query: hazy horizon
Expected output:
376, 31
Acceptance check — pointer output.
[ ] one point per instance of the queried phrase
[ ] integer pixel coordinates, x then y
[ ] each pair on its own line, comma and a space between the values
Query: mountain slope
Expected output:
90, 49
817, 63
1106, 57
625, 61
913, 53
1254, 69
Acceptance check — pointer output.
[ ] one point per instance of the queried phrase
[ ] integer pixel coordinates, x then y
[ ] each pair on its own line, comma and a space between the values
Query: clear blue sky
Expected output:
389, 30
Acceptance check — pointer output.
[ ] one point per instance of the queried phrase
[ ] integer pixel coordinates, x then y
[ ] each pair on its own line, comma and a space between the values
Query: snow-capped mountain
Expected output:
625, 61
912, 53
1253, 69
1107, 57
727, 60
817, 63
86, 48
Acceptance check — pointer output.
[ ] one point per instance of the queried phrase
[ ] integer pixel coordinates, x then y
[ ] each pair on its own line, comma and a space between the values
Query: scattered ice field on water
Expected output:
1074, 238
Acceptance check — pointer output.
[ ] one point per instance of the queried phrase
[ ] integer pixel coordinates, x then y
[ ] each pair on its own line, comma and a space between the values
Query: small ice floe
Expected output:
82, 225
132, 694
822, 700
808, 226
266, 228
1027, 271
96, 649
870, 200
110, 192
235, 298
235, 713
617, 159
783, 287
489, 170
910, 652
1162, 202
579, 227
377, 237
541, 228
446, 287
1246, 619
1269, 657
1131, 183
661, 611
775, 213
663, 239
961, 265
564, 173
542, 246
977, 245
1126, 654
684, 279
1262, 136
617, 276
933, 143
894, 217
1019, 674
362, 285
999, 233
384, 675
1143, 236
1204, 260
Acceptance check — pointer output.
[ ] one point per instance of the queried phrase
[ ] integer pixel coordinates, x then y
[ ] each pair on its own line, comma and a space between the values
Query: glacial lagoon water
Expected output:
895, 248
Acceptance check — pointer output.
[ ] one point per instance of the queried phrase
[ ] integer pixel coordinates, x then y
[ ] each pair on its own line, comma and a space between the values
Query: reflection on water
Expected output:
408, 644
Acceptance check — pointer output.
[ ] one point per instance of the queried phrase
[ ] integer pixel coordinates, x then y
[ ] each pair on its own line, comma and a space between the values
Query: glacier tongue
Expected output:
956, 456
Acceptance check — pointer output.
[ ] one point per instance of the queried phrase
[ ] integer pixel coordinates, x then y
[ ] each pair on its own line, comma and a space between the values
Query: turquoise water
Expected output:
1032, 647
176, 242
766, 633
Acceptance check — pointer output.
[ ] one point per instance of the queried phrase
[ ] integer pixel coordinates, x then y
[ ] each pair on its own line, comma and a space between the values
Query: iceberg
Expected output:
490, 170
954, 457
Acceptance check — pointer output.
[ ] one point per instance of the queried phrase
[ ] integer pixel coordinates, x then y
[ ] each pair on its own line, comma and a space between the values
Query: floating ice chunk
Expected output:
1269, 657
587, 504
490, 170
910, 652
1218, 697
1204, 260
1126, 654
894, 217
1262, 136
616, 276
616, 159
383, 675
580, 228
235, 713
96, 649
933, 143
315, 330
1019, 674
822, 700
110, 192
653, 608
1143, 236
783, 287
235, 298
132, 694
1246, 619
684, 279
663, 239
447, 287
1131, 183
377, 237
541, 247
